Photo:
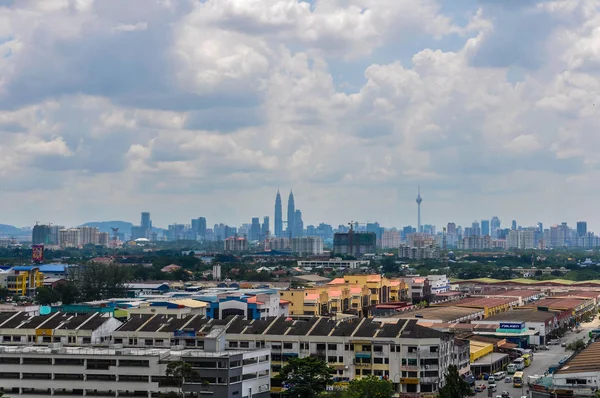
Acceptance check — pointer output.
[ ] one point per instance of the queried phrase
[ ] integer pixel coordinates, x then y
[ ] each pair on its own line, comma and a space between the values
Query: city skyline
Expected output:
107, 110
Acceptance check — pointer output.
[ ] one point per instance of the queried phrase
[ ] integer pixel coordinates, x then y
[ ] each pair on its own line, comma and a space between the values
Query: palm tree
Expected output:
178, 372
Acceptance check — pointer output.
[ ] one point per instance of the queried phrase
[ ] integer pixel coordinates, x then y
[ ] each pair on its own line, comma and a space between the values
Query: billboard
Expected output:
185, 333
37, 253
512, 325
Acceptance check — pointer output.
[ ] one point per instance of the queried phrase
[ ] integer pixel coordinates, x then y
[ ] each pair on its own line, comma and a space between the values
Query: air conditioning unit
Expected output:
426, 366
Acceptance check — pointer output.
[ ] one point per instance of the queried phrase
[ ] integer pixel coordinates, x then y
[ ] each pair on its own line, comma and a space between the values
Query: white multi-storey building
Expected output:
307, 245
125, 372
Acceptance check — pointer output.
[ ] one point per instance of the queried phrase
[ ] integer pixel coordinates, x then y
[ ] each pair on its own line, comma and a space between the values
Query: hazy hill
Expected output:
105, 226
10, 230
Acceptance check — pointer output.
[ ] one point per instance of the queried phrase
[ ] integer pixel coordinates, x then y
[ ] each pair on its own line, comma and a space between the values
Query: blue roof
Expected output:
42, 267
24, 267
53, 267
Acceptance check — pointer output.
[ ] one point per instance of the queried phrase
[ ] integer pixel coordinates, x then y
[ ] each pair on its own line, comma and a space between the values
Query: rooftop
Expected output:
585, 361
524, 315
444, 314
558, 303
482, 302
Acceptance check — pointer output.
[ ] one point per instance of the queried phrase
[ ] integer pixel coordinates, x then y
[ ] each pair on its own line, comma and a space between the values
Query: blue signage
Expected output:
185, 333
513, 326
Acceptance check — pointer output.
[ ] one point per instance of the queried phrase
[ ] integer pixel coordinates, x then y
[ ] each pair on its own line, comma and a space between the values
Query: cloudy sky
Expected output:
204, 108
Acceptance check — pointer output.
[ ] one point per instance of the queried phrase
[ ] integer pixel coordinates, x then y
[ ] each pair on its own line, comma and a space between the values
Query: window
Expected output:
235, 379
288, 346
349, 347
233, 344
434, 348
386, 361
412, 349
332, 347
148, 342
366, 372
331, 359
244, 344
366, 347
321, 347
304, 346
341, 359
378, 348
378, 360
357, 372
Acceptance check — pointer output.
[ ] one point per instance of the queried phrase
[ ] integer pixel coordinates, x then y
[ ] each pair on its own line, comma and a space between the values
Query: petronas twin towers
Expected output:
295, 225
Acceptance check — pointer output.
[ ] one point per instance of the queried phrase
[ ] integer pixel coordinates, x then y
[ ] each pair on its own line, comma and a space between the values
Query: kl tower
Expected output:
419, 200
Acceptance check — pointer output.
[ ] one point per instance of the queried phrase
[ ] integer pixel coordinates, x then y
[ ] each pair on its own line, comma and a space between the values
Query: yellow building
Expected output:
353, 292
383, 290
24, 280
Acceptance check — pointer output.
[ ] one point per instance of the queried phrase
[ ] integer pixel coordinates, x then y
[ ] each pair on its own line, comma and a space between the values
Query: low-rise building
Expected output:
118, 372
334, 263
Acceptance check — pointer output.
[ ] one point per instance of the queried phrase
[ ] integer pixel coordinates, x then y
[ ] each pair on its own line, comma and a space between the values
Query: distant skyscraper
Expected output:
581, 228
146, 222
419, 200
199, 227
485, 227
41, 235
514, 225
495, 226
265, 229
291, 216
278, 216
451, 229
255, 229
540, 226
475, 228
298, 224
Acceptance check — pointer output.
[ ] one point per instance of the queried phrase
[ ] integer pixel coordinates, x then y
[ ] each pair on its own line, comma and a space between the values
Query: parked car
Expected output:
554, 342
499, 375
563, 344
480, 387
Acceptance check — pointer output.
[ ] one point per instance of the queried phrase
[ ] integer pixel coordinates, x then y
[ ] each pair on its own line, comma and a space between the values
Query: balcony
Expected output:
430, 380
408, 368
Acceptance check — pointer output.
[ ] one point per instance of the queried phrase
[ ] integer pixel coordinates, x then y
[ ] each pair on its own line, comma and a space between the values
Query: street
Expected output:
541, 361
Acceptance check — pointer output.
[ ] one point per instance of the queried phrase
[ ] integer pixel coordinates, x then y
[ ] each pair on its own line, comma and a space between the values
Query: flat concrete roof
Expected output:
525, 315
445, 313
489, 359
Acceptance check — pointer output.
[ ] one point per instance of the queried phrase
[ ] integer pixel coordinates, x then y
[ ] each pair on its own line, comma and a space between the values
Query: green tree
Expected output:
455, 386
98, 281
306, 377
370, 387
4, 293
68, 293
178, 372
576, 345
46, 296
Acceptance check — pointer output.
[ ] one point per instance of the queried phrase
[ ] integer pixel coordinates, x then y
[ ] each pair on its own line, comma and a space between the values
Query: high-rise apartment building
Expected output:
451, 228
521, 239
69, 237
90, 235
513, 225
485, 227
41, 234
307, 245
581, 228
390, 239
278, 220
354, 243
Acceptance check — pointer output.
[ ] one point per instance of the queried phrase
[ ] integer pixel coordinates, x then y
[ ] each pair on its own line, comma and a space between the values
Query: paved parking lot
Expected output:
541, 361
